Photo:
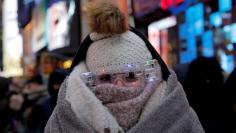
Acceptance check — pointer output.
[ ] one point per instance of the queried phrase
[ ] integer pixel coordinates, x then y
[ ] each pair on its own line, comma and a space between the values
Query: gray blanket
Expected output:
172, 115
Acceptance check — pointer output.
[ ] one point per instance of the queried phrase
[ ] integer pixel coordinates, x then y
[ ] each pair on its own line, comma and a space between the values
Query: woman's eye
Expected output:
105, 78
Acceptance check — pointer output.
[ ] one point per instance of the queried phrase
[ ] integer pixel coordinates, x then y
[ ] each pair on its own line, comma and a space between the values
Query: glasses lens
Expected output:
131, 77
105, 78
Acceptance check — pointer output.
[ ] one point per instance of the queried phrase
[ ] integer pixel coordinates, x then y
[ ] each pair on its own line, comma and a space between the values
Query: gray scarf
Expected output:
79, 111
125, 103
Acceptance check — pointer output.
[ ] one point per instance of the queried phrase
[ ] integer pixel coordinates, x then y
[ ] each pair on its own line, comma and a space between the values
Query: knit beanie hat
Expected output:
112, 44
112, 54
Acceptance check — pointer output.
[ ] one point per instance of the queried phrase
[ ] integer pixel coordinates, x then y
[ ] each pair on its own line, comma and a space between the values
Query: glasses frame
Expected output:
150, 73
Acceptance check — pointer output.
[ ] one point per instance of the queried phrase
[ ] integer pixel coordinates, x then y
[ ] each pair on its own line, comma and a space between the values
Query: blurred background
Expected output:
180, 30
40, 37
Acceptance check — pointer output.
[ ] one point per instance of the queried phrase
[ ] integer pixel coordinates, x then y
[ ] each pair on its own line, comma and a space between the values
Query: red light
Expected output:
165, 4
178, 1
102, 71
134, 84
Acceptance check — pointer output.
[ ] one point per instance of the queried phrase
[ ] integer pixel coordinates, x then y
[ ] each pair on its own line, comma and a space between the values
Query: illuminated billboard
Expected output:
194, 16
155, 28
58, 23
216, 19
39, 39
183, 33
227, 32
226, 61
12, 41
207, 44
191, 51
225, 5
233, 33
158, 35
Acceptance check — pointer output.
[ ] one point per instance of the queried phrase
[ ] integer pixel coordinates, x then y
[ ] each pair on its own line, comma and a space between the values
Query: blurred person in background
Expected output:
230, 87
44, 107
181, 71
16, 84
33, 91
205, 92
48, 63
34, 88
11, 119
11, 102
4, 89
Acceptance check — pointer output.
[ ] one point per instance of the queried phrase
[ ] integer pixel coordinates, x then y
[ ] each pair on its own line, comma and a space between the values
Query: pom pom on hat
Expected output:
104, 17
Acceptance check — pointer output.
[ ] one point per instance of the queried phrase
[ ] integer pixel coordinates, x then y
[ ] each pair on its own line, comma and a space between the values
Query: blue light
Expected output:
129, 65
226, 28
227, 32
216, 19
189, 17
225, 5
194, 13
183, 58
191, 52
198, 27
186, 57
87, 73
227, 62
207, 44
230, 47
195, 18
191, 44
199, 11
233, 33
151, 79
180, 8
183, 33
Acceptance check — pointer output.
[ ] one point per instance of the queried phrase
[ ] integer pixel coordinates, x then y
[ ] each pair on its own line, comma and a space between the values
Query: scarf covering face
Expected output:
125, 103
78, 110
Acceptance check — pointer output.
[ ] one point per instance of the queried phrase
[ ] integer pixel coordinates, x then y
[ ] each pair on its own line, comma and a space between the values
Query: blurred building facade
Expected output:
182, 30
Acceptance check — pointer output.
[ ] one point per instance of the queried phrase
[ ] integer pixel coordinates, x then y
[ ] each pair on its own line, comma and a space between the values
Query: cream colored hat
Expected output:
113, 53
112, 45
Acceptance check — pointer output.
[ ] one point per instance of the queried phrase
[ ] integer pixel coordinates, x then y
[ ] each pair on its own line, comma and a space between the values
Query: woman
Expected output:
119, 84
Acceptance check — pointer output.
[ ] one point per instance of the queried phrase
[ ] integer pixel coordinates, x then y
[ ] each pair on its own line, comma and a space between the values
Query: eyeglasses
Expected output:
130, 77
